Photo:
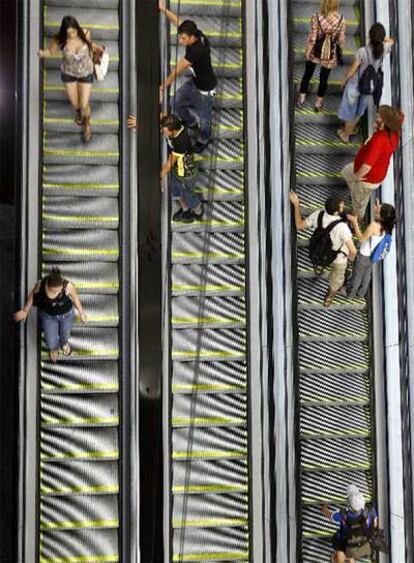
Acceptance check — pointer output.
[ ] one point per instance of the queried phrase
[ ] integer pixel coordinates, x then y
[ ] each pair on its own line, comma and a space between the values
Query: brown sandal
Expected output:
78, 118
340, 134
328, 300
66, 350
87, 131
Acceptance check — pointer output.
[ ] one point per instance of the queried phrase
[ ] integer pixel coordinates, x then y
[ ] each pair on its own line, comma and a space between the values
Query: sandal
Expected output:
87, 131
341, 135
53, 355
78, 118
328, 300
319, 108
300, 103
66, 350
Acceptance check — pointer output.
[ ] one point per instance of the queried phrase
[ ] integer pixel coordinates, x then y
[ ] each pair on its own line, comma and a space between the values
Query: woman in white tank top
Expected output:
383, 223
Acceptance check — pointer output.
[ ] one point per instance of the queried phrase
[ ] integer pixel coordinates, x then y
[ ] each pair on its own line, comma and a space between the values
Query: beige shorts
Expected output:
337, 276
360, 191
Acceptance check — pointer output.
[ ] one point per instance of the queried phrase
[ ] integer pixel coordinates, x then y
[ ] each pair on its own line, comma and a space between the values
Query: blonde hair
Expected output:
328, 6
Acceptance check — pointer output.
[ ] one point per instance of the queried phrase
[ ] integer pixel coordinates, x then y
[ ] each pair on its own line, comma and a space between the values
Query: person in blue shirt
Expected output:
352, 540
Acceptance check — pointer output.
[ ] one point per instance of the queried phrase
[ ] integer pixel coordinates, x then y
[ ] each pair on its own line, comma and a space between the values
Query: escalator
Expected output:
335, 421
79, 436
207, 379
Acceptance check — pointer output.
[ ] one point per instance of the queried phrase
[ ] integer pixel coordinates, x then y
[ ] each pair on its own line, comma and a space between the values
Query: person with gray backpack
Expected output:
362, 80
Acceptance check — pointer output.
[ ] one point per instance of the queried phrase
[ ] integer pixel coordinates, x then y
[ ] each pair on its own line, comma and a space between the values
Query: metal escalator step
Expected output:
218, 544
102, 4
321, 169
212, 248
303, 11
217, 217
209, 410
218, 442
208, 312
220, 185
334, 388
99, 545
221, 8
106, 91
222, 154
332, 324
59, 444
79, 377
311, 293
55, 61
312, 196
338, 455
209, 377
75, 213
208, 511
91, 343
208, 345
80, 245
222, 32
80, 180
317, 138
333, 356
79, 410
219, 279
71, 148
79, 478
335, 421
102, 278
226, 61
102, 24
218, 476
59, 116
80, 511
227, 123
323, 488
102, 310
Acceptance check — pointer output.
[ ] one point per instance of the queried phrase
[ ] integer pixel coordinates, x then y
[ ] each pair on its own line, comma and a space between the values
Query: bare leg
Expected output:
73, 96
85, 91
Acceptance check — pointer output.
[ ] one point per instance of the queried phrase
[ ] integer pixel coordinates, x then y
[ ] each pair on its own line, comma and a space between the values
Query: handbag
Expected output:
100, 58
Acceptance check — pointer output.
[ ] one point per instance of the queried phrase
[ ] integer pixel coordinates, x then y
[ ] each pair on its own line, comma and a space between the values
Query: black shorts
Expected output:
84, 79
338, 543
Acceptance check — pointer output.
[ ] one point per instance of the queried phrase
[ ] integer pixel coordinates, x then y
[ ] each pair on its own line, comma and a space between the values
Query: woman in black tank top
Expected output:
55, 298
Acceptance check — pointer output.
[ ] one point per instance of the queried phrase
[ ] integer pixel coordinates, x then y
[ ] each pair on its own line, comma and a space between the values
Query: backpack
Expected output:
371, 81
357, 535
382, 249
325, 45
321, 252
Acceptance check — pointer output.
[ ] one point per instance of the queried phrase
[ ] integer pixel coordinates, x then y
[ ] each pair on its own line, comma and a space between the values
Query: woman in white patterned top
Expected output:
328, 23
77, 68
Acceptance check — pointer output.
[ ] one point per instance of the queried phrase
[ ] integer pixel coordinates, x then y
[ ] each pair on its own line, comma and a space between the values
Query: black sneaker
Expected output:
198, 216
178, 215
199, 147
187, 216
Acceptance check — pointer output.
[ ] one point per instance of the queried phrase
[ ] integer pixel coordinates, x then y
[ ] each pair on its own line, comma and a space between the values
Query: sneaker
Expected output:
199, 147
187, 216
197, 216
178, 214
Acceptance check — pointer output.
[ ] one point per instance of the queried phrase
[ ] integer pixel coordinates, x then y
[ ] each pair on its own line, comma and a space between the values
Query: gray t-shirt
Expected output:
365, 57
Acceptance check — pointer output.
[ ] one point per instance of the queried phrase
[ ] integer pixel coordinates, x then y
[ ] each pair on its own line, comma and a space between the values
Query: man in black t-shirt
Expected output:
182, 170
193, 101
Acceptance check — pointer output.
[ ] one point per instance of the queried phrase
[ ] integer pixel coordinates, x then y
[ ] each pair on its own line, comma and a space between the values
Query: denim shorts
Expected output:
84, 79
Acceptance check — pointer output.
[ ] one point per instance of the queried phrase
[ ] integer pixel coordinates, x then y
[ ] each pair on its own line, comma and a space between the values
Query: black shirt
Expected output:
59, 305
182, 148
198, 55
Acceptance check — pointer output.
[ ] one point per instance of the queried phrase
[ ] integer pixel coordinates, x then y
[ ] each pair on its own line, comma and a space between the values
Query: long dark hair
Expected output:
61, 36
376, 39
387, 218
54, 278
190, 28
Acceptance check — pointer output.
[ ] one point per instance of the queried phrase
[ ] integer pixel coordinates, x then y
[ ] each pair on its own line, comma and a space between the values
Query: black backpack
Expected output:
371, 81
321, 252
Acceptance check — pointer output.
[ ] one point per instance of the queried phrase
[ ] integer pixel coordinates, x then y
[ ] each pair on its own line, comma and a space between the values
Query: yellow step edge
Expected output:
210, 522
87, 25
209, 454
80, 218
69, 524
213, 556
67, 490
81, 559
207, 387
207, 420
82, 455
81, 186
47, 421
209, 488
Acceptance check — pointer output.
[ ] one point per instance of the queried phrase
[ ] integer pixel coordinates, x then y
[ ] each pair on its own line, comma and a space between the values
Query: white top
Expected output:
368, 246
339, 234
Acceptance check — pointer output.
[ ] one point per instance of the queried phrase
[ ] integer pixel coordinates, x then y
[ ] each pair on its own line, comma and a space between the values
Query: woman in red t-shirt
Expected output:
371, 162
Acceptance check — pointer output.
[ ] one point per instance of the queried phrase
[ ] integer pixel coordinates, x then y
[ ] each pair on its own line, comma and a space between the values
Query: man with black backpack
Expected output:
358, 535
331, 243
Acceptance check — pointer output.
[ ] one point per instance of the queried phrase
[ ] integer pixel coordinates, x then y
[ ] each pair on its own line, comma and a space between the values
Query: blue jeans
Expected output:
56, 328
184, 189
189, 97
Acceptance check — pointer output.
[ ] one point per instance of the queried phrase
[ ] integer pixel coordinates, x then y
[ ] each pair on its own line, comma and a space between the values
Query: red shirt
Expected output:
377, 152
